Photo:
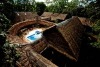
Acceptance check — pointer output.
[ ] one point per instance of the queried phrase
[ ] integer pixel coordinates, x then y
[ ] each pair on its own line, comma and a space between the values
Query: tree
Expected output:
93, 10
62, 6
24, 5
98, 1
7, 8
40, 7
58, 6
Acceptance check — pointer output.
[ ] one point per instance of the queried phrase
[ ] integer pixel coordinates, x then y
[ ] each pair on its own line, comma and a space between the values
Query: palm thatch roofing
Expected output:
65, 37
53, 16
26, 26
47, 14
57, 16
30, 58
22, 16
18, 26
85, 21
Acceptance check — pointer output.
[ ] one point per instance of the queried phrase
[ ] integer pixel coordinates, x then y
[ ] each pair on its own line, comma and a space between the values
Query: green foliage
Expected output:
24, 5
9, 6
97, 43
90, 11
96, 27
8, 10
40, 7
96, 32
57, 6
80, 11
8, 54
62, 6
4, 23
93, 11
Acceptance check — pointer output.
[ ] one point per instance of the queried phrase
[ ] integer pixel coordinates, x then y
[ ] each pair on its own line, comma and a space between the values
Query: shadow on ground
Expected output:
89, 57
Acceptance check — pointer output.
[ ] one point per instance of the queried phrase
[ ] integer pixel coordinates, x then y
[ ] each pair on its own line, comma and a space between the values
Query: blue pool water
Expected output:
31, 37
34, 35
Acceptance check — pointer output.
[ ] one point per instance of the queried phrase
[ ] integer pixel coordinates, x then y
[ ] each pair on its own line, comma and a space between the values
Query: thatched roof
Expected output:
16, 27
53, 16
38, 46
47, 14
22, 16
62, 16
85, 21
56, 16
30, 58
66, 37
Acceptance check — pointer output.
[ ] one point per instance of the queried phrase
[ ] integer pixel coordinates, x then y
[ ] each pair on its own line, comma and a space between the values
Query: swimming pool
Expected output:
34, 35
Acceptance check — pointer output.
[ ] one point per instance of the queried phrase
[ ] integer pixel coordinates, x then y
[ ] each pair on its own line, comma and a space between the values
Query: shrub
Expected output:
8, 54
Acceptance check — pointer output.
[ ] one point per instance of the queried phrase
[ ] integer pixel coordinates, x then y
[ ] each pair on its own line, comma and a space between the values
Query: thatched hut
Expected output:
22, 16
53, 16
19, 30
49, 16
28, 48
57, 16
65, 38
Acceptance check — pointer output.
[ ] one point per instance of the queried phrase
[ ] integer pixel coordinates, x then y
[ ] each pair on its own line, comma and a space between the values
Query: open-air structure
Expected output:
64, 38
